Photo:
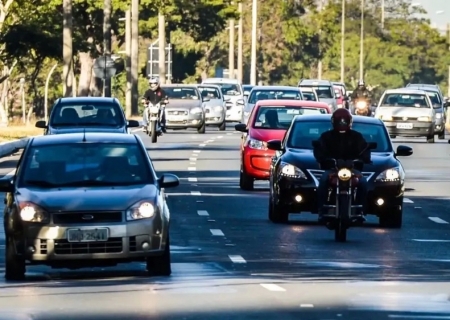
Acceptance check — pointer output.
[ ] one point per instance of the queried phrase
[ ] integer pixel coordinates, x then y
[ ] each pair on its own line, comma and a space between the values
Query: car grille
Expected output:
400, 119
178, 112
317, 174
112, 245
87, 217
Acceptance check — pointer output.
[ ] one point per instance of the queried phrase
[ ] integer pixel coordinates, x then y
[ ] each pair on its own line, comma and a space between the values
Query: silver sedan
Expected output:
215, 109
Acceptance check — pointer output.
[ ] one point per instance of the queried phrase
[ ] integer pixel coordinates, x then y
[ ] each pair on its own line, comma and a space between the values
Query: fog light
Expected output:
31, 249
298, 198
380, 202
145, 246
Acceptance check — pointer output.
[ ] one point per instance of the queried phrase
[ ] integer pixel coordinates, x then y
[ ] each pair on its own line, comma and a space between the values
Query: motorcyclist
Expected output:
155, 95
341, 143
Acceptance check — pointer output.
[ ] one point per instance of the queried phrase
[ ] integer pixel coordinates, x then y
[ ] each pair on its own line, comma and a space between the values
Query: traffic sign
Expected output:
104, 67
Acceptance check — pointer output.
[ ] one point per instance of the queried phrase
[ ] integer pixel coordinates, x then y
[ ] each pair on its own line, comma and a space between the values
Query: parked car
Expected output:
324, 89
215, 109
339, 96
91, 114
407, 113
186, 108
269, 120
295, 173
86, 200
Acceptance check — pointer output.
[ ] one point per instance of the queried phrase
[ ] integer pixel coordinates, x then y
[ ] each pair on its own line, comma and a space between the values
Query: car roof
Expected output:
274, 88
405, 91
307, 89
327, 117
423, 88
207, 85
423, 85
91, 137
219, 80
87, 100
180, 85
296, 103
315, 82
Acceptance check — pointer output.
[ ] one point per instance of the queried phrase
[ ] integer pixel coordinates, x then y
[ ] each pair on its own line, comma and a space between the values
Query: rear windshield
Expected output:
182, 93
323, 92
87, 114
280, 117
405, 100
258, 95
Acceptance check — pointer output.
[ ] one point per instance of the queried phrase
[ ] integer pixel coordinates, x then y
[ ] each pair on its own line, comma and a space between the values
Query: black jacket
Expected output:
360, 93
342, 146
155, 97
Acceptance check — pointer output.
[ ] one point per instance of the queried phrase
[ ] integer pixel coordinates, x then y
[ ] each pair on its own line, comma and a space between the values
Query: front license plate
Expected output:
404, 125
90, 235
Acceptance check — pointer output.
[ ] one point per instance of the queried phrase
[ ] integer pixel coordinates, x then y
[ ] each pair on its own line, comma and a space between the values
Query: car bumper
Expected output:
257, 163
440, 125
192, 120
132, 241
234, 114
214, 118
419, 129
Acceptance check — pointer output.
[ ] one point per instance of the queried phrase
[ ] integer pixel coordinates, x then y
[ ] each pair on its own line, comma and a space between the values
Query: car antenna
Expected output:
84, 134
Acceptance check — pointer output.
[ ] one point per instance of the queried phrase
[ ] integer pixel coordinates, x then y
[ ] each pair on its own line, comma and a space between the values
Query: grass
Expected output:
14, 132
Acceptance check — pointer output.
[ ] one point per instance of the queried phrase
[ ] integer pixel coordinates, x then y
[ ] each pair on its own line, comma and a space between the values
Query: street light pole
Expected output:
342, 40
107, 11
382, 14
319, 64
231, 51
162, 47
134, 56
240, 63
361, 48
67, 48
22, 91
254, 35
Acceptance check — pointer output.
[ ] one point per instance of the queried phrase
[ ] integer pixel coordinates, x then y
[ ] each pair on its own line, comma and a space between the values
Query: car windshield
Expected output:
229, 89
209, 92
309, 96
303, 133
323, 92
258, 95
177, 93
434, 97
84, 165
87, 114
405, 100
280, 117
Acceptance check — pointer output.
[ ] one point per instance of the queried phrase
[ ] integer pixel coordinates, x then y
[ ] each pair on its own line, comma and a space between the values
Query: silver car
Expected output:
324, 90
186, 108
215, 108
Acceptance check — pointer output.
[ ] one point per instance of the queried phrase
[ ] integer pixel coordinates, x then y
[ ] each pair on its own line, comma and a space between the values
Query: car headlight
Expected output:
196, 110
141, 210
240, 102
438, 115
425, 119
344, 174
288, 170
391, 175
30, 212
256, 144
218, 109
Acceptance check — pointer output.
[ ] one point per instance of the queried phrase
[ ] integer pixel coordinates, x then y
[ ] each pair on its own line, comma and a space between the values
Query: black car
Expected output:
295, 174
92, 114
86, 200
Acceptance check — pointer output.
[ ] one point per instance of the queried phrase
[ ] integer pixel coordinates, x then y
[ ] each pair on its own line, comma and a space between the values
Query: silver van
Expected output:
324, 90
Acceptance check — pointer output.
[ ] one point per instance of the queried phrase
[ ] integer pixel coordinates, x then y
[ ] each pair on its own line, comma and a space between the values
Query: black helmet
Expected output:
341, 120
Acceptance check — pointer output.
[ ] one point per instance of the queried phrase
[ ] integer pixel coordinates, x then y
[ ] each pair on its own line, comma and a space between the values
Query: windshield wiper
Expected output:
40, 183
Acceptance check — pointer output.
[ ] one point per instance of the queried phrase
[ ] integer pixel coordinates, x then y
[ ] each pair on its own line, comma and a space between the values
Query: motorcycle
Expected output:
154, 116
362, 108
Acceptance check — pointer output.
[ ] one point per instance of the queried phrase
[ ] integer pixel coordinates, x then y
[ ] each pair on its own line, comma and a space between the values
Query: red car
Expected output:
339, 96
269, 120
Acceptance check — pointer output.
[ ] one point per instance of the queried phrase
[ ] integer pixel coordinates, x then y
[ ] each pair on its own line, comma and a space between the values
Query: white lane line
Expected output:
13, 172
202, 145
192, 169
209, 141
203, 213
192, 179
195, 193
219, 137
194, 155
272, 287
229, 134
438, 220
409, 316
197, 151
192, 159
217, 232
237, 259
306, 305
192, 163
430, 240
136, 130
406, 200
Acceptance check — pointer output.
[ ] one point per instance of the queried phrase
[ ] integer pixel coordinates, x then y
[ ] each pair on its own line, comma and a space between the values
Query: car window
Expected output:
303, 133
280, 117
434, 97
309, 96
323, 92
177, 93
258, 95
76, 114
84, 164
229, 89
210, 92
405, 100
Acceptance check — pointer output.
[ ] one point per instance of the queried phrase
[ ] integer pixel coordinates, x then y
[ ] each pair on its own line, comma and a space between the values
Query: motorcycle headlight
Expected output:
141, 210
196, 110
288, 170
425, 119
256, 144
30, 212
339, 106
218, 109
391, 175
344, 174
361, 105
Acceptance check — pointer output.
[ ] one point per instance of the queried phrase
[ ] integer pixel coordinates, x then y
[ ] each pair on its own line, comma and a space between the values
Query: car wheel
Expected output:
223, 126
277, 213
441, 135
430, 139
392, 218
14, 265
245, 181
160, 265
202, 129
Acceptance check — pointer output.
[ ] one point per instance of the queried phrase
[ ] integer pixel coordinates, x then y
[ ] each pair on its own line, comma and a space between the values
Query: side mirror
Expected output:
206, 99
274, 145
374, 145
241, 127
133, 124
41, 124
168, 180
404, 151
6, 185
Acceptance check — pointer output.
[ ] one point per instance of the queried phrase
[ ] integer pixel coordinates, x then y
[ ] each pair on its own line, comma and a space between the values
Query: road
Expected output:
230, 262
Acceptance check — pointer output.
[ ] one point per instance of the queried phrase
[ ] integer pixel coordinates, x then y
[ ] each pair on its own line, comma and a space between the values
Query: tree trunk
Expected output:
84, 84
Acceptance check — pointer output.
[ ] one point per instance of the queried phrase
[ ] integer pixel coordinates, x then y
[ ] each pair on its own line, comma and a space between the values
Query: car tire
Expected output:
277, 213
15, 267
202, 129
392, 218
430, 139
245, 181
223, 126
160, 265
441, 135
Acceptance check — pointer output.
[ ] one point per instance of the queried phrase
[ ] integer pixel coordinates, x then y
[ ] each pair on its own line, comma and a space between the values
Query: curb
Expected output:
10, 147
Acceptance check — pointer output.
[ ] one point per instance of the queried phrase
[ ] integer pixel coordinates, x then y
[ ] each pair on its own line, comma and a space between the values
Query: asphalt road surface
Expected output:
230, 262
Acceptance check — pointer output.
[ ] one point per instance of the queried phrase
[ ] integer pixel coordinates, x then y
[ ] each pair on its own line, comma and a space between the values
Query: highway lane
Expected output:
230, 262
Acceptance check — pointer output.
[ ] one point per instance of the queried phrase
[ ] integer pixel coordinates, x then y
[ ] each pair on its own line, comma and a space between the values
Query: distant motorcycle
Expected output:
154, 116
362, 108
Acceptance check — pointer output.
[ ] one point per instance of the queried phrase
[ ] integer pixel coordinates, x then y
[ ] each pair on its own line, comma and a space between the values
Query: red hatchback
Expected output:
269, 120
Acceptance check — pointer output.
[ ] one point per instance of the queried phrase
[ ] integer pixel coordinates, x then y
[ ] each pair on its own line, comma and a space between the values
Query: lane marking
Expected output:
203, 213
229, 134
209, 141
430, 240
237, 259
194, 155
409, 316
438, 220
219, 137
195, 193
197, 151
192, 159
192, 169
202, 145
192, 163
272, 287
306, 305
192, 179
13, 172
217, 232
406, 200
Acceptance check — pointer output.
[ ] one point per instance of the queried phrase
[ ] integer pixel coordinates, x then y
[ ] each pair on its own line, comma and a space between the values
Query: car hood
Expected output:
61, 130
214, 103
87, 199
266, 134
183, 103
408, 112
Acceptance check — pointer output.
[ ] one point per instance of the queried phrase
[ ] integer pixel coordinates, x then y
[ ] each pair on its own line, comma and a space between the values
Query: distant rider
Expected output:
155, 95
341, 143
361, 92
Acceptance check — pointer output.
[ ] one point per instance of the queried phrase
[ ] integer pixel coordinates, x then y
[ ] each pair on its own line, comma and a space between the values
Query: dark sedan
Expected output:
86, 200
295, 174
92, 114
